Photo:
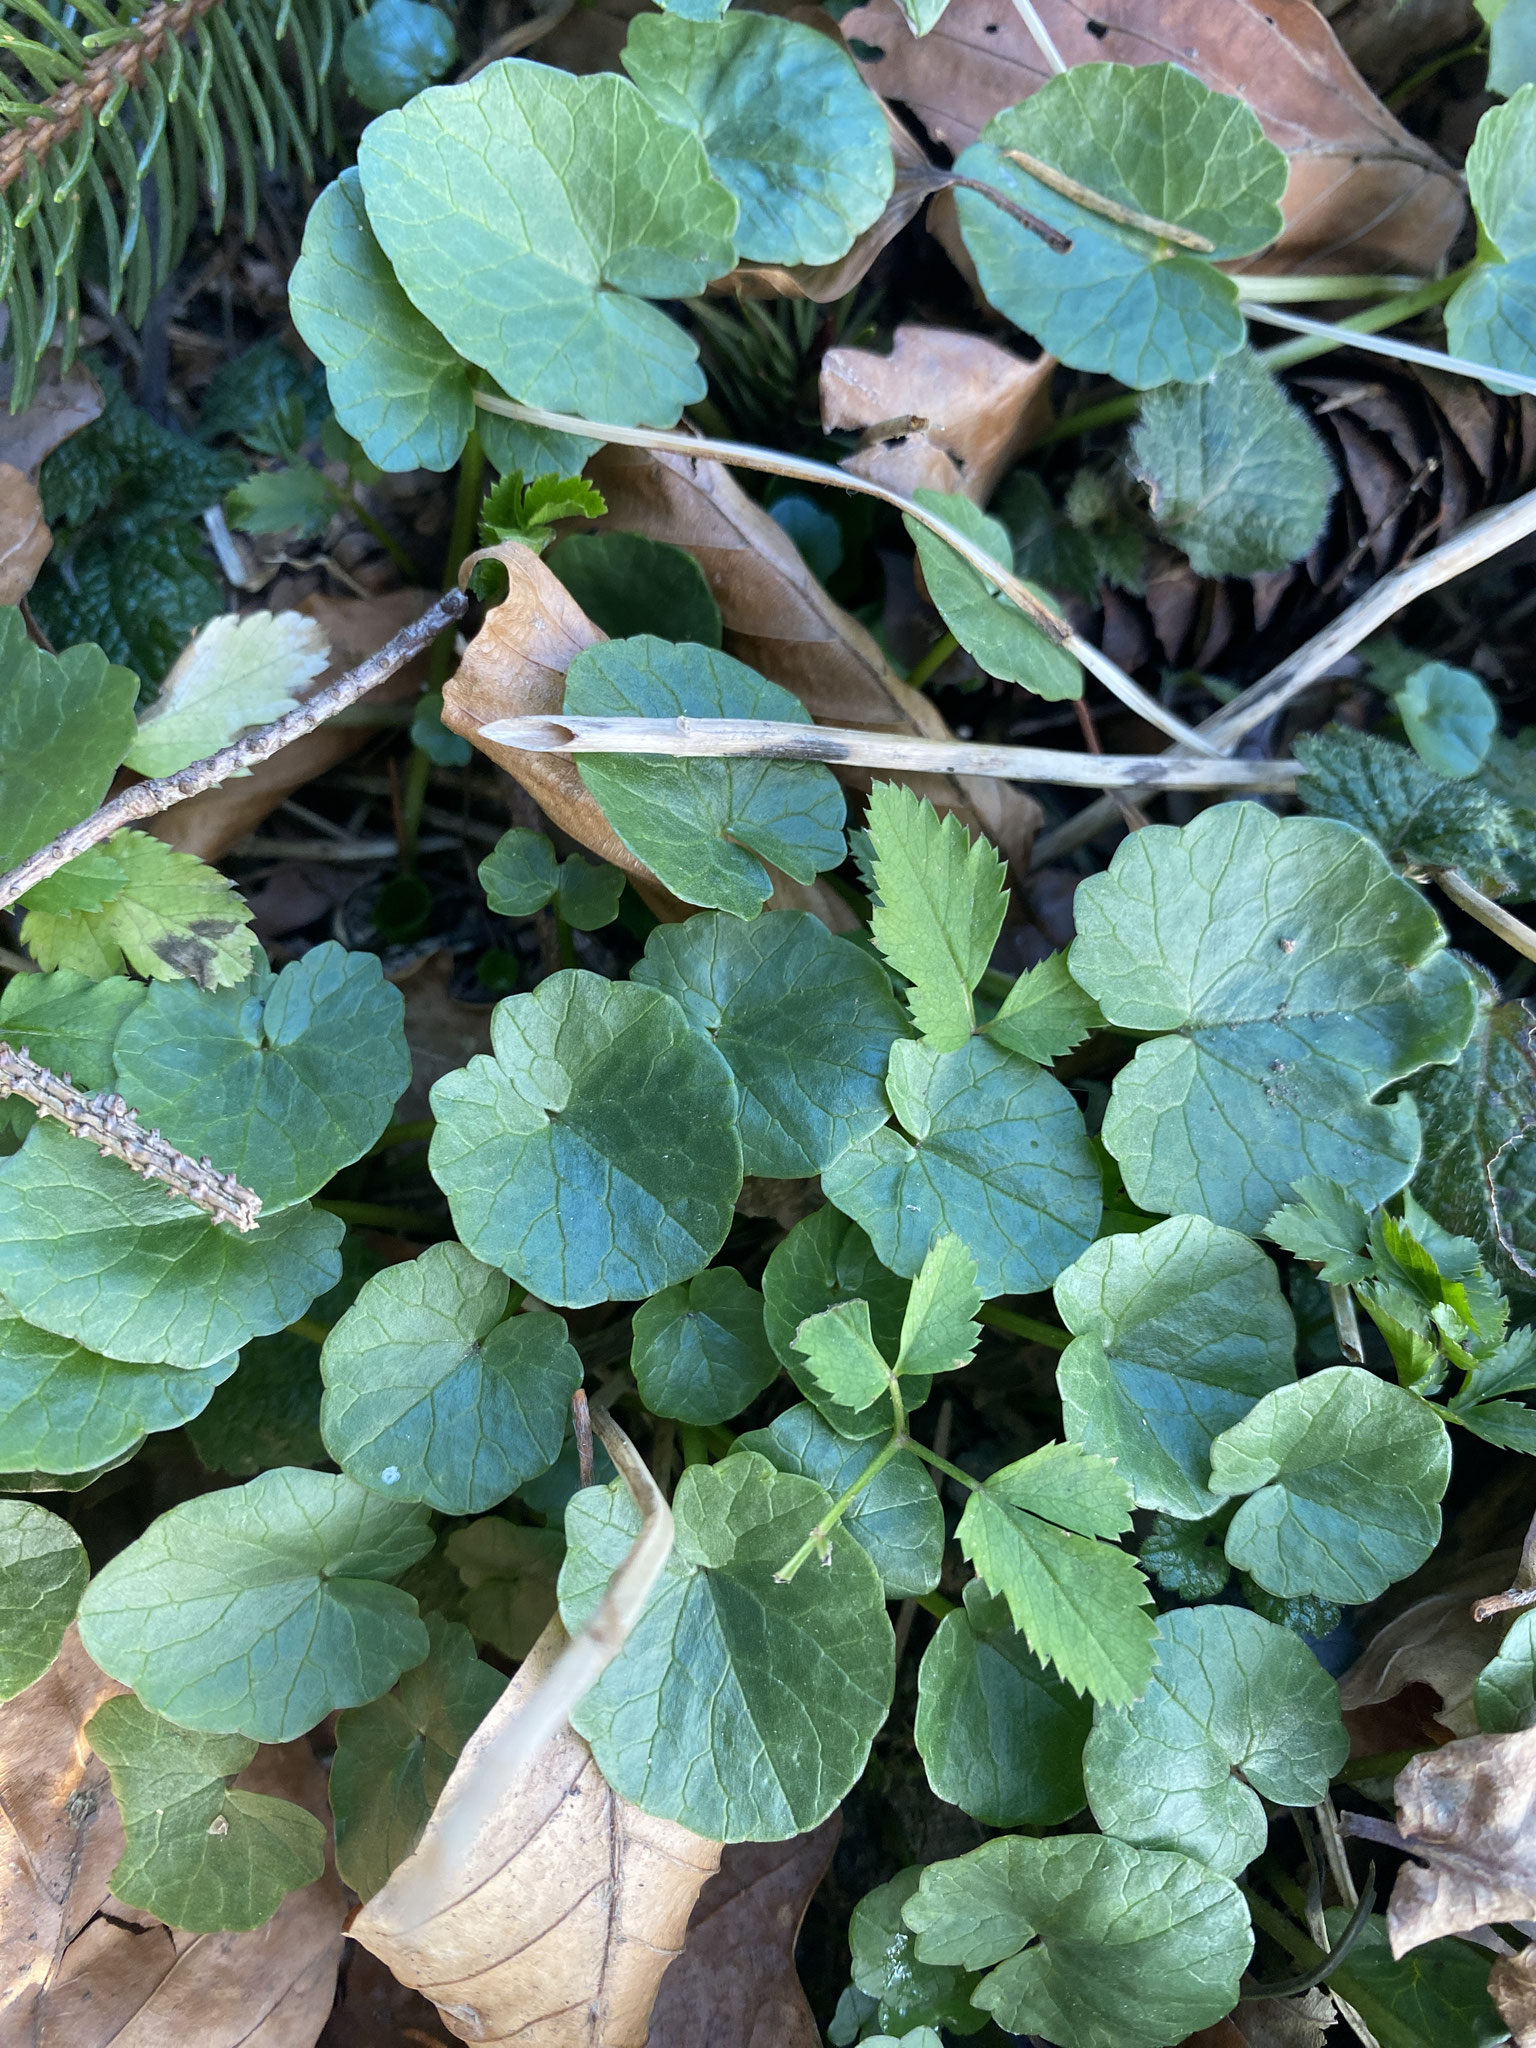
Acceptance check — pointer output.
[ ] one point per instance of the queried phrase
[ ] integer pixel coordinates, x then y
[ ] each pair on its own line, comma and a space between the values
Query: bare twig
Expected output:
1492, 916
1522, 1593
1108, 209
107, 1122
1399, 351
766, 739
581, 1420
146, 799
935, 179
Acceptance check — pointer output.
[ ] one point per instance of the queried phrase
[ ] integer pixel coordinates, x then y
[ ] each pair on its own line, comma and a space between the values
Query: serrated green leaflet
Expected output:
886, 1966
693, 821
531, 215
786, 122
395, 49
1237, 474
508, 1572
396, 384
1236, 1708
65, 1409
282, 1080
842, 1358
1033, 1534
593, 1086
897, 1518
431, 1396
804, 1020
296, 501
1177, 1332
1000, 1736
1098, 1944
1434, 1997
1151, 138
66, 721
1044, 1014
528, 512
1415, 815
827, 1259
989, 627
985, 1145
1327, 1227
162, 912
1344, 1476
700, 1352
1297, 976
1449, 716
43, 1570
393, 1757
257, 1610
627, 584
939, 1332
197, 1853
740, 1707
940, 906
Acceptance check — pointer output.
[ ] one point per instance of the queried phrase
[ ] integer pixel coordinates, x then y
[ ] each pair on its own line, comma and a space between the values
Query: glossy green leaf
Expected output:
1177, 1332
1000, 1736
825, 1260
1237, 474
1344, 1475
1492, 318
430, 1395
693, 820
395, 49
1236, 1708
1152, 138
628, 583
282, 1080
1033, 1533
897, 1518
804, 1020
66, 721
940, 906
740, 1707
1435, 1997
535, 255
786, 122
1297, 977
397, 385
43, 1570
509, 1573
988, 626
393, 1757
65, 1409
197, 1853
1449, 716
701, 1353
886, 1966
1045, 1013
985, 1145
257, 1610
594, 1084
1097, 1944
164, 913
521, 873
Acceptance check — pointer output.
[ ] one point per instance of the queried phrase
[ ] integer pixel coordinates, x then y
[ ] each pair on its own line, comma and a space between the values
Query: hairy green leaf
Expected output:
1045, 1013
395, 49
627, 583
988, 626
65, 1409
826, 1260
1417, 817
43, 1570
66, 721
1509, 775
886, 1966
164, 913
940, 907
701, 1353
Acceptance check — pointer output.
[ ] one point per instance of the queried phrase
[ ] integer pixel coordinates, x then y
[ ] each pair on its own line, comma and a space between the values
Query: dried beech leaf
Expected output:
1434, 1642
1512, 1985
983, 406
61, 406
1364, 194
1469, 1811
24, 534
735, 1985
563, 1943
779, 620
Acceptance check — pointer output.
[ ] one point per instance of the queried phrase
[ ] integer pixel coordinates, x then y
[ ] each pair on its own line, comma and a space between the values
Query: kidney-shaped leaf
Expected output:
701, 1353
1097, 1944
43, 1570
257, 1610
65, 1409
569, 1159
531, 215
806, 1023
1297, 976
826, 1261
1177, 1332
431, 1396
692, 821
1344, 1475
740, 1707
1236, 1708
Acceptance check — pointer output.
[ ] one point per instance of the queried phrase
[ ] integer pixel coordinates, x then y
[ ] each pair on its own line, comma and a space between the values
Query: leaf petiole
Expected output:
816, 1541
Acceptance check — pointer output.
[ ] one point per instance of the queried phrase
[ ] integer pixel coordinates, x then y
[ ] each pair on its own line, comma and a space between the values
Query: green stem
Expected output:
379, 1216
1024, 1326
936, 1605
409, 1133
943, 1465
829, 1521
1275, 1924
412, 804
348, 503
466, 514
933, 660
695, 1443
306, 1326
1415, 82
1302, 290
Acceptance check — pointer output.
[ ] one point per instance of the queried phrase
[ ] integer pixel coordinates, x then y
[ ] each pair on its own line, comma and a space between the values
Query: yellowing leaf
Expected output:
172, 916
236, 674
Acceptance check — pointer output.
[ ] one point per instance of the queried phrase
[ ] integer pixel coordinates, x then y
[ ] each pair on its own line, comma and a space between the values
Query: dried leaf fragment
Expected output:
1436, 1642
1469, 1811
25, 537
1512, 1986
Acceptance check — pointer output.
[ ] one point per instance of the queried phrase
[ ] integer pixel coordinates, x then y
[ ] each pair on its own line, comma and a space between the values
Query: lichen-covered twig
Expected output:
114, 1129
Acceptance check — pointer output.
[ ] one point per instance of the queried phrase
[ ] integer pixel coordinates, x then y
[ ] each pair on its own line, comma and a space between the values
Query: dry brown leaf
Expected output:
1512, 1985
982, 406
1301, 2022
563, 1943
375, 2010
1364, 194
61, 406
1435, 1642
735, 1984
1223, 2035
1388, 39
780, 621
442, 1033
1469, 1812
24, 535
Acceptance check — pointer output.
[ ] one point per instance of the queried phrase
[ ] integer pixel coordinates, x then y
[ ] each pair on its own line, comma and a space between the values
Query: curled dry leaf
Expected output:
1436, 1642
1512, 1985
1364, 194
981, 406
24, 534
735, 1984
1300, 2022
1468, 1811
61, 406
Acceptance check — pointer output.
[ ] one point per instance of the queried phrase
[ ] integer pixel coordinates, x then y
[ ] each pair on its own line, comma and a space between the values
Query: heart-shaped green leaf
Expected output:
827, 1260
989, 627
628, 583
43, 1570
1450, 717
395, 49
508, 1572
701, 1353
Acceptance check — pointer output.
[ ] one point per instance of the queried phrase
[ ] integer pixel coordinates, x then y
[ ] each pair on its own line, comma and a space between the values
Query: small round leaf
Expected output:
395, 49
700, 1351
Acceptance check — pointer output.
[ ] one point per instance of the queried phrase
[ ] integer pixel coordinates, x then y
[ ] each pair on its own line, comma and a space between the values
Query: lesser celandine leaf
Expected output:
1506, 1686
593, 1085
1236, 1708
988, 626
886, 1966
804, 1020
1097, 1944
1178, 1330
65, 1409
1001, 1737
237, 673
521, 873
535, 253
1344, 1475
395, 49
741, 1707
257, 1610
939, 908
66, 721
700, 1351
1449, 715
628, 583
827, 1259
161, 912
786, 122
432, 1393
197, 1853
43, 1570
1297, 977
692, 821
